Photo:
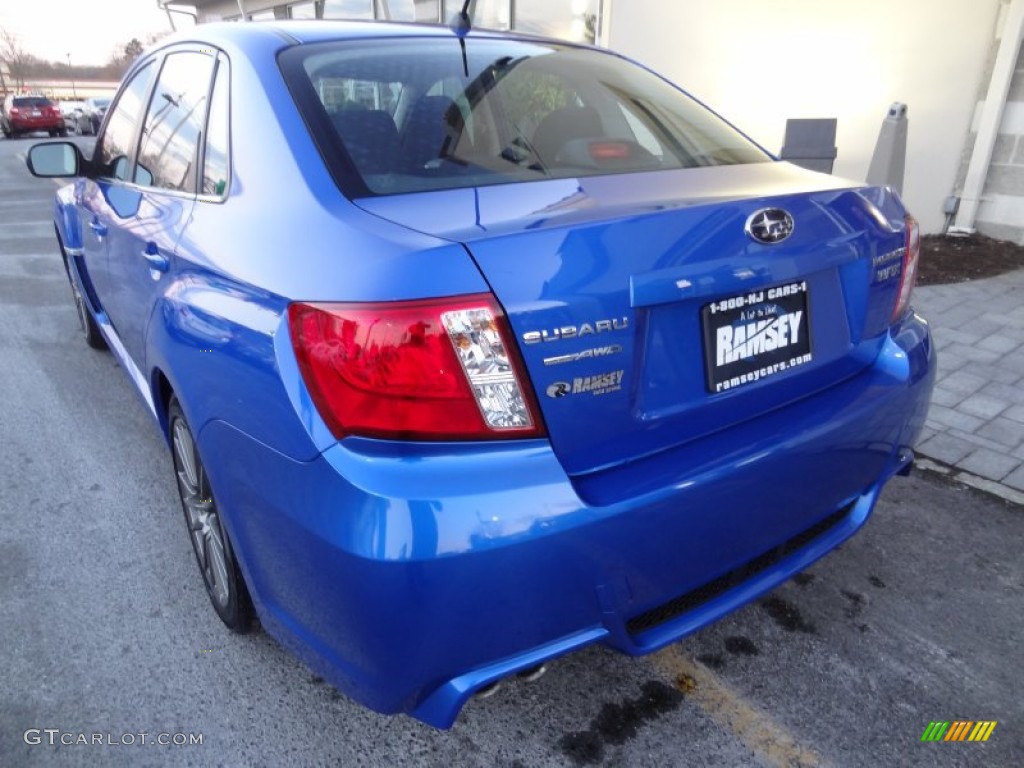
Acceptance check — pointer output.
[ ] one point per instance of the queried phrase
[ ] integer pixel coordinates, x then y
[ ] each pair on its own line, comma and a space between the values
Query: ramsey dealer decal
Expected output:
748, 339
755, 335
600, 384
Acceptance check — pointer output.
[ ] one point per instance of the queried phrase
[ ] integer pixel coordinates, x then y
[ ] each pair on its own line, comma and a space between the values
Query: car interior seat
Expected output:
561, 126
433, 127
371, 138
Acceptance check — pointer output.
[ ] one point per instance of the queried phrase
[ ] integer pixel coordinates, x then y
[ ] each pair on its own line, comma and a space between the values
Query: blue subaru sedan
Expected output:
474, 349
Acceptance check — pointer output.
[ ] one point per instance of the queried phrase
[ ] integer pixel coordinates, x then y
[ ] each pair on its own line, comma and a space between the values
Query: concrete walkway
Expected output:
976, 421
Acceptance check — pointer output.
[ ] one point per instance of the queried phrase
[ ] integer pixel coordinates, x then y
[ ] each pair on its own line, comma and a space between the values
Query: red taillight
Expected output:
15, 110
439, 369
908, 278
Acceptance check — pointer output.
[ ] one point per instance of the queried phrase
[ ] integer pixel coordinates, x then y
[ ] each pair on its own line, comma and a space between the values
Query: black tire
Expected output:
53, 133
63, 131
90, 330
216, 559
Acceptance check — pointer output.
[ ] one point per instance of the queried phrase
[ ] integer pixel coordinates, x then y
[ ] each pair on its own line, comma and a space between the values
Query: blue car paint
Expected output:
490, 558
411, 575
630, 261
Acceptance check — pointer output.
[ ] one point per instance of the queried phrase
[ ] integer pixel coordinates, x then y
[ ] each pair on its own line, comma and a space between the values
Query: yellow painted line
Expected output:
766, 738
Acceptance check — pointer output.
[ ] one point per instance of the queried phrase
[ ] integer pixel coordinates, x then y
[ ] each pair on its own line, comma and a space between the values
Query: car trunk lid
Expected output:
648, 316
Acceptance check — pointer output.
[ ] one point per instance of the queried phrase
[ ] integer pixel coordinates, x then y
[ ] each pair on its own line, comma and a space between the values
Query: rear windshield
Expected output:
32, 101
410, 115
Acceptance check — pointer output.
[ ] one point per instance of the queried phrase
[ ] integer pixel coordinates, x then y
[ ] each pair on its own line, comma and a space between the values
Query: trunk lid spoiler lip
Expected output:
469, 214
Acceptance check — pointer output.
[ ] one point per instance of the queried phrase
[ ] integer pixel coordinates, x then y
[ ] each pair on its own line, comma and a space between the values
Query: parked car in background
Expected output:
484, 348
71, 111
28, 114
92, 114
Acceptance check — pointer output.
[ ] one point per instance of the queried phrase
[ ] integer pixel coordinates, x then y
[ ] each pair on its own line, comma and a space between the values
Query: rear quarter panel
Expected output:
283, 233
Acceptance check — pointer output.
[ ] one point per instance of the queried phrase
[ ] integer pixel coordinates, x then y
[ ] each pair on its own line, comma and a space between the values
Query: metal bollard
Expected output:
810, 143
890, 158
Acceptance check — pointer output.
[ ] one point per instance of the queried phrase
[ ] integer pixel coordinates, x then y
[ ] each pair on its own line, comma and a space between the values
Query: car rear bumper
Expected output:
412, 576
30, 124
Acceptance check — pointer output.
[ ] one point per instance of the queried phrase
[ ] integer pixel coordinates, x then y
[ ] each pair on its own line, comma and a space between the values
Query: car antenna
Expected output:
461, 24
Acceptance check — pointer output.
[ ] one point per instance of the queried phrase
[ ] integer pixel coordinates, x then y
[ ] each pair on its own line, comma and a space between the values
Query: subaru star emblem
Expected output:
769, 225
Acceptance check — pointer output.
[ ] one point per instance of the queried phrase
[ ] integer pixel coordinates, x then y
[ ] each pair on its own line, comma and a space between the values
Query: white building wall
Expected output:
759, 63
1001, 213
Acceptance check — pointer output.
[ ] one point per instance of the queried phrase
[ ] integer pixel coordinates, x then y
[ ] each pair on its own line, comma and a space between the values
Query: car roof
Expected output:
256, 34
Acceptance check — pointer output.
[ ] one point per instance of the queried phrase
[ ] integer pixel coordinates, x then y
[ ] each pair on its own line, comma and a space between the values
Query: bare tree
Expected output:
133, 49
14, 56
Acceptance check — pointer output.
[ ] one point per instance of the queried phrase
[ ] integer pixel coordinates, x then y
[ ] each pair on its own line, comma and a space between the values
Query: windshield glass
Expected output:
408, 115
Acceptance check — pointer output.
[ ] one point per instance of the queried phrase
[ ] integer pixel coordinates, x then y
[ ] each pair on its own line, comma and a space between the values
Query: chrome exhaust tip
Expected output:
529, 675
532, 674
488, 690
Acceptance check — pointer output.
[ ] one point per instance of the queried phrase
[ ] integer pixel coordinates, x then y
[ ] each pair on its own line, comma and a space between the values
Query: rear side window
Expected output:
396, 116
173, 128
115, 147
216, 157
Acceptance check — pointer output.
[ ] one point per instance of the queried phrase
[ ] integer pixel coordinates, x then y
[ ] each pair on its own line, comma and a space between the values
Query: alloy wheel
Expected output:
201, 515
210, 542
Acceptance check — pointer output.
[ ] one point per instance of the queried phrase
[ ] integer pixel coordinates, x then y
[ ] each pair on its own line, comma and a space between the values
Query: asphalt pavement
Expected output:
106, 633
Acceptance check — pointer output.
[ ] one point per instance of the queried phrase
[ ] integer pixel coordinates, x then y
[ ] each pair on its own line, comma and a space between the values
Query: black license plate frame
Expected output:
751, 336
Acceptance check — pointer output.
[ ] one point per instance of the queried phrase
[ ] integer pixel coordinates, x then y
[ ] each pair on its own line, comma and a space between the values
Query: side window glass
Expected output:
218, 147
114, 148
174, 123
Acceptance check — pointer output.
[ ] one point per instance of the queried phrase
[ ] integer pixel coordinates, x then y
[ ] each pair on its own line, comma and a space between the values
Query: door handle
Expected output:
156, 260
99, 229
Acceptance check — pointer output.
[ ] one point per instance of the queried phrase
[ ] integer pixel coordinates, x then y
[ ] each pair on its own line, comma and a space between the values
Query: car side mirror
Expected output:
55, 159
